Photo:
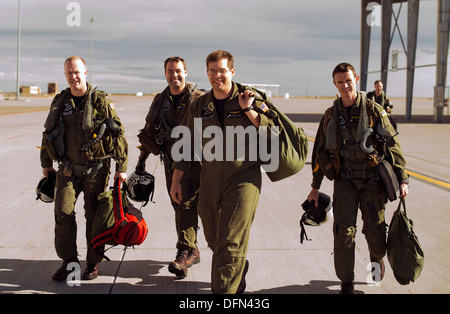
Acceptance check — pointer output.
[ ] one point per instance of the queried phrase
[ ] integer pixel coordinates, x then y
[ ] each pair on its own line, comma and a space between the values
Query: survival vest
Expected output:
329, 160
117, 221
163, 117
99, 128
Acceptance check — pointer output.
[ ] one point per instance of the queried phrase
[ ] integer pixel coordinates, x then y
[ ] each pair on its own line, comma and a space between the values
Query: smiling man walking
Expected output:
339, 154
166, 111
229, 189
82, 133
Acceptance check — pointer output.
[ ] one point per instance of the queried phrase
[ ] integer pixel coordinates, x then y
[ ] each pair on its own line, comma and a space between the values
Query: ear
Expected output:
357, 78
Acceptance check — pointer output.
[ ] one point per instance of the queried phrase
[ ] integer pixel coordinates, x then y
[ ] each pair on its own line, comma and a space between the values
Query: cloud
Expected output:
286, 42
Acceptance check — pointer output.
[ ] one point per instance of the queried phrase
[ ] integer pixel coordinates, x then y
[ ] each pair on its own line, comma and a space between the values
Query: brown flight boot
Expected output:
193, 257
184, 259
347, 288
382, 268
62, 273
91, 272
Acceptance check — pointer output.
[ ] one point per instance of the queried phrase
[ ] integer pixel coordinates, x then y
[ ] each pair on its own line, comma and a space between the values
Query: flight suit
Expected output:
356, 183
382, 100
229, 190
162, 117
84, 165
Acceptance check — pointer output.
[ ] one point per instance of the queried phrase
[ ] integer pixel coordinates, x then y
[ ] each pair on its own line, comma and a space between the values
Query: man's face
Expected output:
378, 88
176, 75
76, 72
346, 82
220, 76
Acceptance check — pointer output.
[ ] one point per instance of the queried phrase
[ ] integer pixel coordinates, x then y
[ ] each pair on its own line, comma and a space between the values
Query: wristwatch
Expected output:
248, 108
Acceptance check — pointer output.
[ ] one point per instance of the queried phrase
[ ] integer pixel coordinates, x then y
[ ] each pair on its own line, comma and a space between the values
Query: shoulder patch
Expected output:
111, 105
384, 113
263, 107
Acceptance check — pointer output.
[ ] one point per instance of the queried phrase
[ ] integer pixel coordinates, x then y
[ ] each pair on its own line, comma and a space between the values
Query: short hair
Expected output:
175, 60
73, 58
377, 81
343, 68
218, 55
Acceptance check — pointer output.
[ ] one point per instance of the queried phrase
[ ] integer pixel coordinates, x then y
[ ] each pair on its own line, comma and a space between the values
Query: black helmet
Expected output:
315, 215
45, 190
140, 187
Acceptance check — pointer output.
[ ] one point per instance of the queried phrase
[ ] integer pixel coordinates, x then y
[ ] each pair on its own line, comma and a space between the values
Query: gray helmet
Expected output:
45, 190
140, 187
315, 215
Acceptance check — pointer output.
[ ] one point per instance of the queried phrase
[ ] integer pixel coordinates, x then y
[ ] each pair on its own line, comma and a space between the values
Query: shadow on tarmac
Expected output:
135, 277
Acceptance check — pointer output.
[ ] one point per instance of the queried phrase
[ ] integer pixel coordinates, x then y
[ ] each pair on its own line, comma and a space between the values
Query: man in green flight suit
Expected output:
339, 155
229, 187
166, 111
379, 96
82, 133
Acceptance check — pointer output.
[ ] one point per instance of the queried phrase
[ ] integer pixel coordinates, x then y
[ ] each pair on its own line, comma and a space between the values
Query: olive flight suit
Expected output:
84, 164
384, 102
229, 189
166, 112
356, 183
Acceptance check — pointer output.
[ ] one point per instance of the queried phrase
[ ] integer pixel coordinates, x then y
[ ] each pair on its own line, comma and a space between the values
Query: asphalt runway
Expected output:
279, 264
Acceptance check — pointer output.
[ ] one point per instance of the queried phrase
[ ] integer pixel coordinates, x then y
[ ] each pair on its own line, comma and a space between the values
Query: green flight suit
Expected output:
382, 100
356, 183
229, 190
166, 113
81, 169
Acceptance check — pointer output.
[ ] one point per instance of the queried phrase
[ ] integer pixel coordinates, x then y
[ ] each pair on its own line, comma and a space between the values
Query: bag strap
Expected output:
401, 204
303, 234
117, 200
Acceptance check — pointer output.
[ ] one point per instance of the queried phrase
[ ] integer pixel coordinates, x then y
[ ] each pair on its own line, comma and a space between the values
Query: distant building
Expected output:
52, 88
271, 90
30, 90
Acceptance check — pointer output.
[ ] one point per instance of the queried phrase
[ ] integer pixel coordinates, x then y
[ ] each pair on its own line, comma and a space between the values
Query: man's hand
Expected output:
245, 101
175, 189
403, 190
314, 196
120, 175
45, 171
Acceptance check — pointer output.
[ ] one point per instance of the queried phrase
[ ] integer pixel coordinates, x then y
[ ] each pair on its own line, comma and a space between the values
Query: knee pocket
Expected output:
64, 219
345, 233
375, 231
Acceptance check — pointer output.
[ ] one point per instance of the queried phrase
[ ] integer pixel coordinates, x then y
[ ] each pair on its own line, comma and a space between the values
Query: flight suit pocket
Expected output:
97, 150
49, 146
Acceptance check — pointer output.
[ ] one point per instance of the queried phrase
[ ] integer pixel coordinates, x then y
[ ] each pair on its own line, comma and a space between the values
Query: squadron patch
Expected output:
111, 105
208, 112
68, 109
384, 113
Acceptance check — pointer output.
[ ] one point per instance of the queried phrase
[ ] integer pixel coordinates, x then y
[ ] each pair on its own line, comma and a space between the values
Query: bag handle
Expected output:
117, 200
402, 203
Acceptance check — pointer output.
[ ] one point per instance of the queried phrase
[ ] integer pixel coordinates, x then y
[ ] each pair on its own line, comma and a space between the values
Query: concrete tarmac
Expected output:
279, 264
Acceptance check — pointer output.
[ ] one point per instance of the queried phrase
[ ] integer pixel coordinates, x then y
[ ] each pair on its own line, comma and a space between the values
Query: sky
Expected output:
291, 43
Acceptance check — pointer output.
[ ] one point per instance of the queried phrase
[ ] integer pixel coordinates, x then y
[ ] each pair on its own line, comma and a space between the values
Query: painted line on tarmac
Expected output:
428, 179
420, 176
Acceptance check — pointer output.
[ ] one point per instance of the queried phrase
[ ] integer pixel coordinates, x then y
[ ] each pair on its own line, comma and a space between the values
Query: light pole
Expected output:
18, 55
92, 49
